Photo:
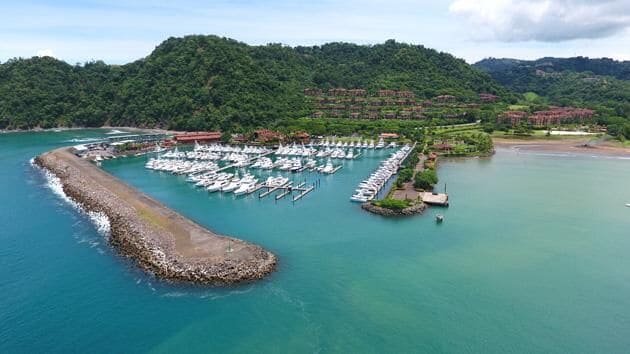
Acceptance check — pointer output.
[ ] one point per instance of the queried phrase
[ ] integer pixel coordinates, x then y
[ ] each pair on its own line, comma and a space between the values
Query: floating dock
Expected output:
272, 189
304, 192
439, 199
287, 189
334, 170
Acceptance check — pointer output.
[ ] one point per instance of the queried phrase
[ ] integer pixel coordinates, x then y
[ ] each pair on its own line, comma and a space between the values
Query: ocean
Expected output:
532, 257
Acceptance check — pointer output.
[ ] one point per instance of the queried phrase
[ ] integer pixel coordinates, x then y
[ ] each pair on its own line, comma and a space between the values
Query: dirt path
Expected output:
569, 145
408, 191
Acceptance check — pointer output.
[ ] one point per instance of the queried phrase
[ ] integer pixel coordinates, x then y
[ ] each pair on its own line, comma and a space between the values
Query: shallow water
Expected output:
532, 257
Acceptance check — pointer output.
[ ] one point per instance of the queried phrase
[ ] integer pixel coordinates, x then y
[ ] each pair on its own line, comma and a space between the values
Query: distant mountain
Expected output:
208, 82
602, 83
602, 67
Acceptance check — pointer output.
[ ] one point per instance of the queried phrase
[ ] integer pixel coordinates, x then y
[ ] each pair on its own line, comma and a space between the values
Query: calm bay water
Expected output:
532, 257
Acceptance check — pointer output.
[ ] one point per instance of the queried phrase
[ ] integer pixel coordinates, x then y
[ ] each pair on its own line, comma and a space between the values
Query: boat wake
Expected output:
543, 153
100, 220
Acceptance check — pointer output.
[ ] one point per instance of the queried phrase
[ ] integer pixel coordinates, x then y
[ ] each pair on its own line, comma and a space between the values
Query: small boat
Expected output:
439, 218
628, 205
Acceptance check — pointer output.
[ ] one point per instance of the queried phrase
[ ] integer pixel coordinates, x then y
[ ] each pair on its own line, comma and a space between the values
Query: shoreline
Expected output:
564, 145
160, 240
62, 129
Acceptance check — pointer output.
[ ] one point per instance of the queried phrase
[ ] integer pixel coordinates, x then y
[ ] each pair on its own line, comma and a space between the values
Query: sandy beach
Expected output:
580, 145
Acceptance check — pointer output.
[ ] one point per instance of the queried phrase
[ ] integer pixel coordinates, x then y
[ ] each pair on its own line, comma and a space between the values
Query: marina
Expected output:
369, 188
216, 167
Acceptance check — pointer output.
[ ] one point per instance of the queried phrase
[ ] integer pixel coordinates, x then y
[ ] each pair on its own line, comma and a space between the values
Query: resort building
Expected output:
488, 97
200, 137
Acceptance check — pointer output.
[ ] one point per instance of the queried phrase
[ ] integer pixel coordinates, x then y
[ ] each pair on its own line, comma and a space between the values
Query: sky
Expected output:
119, 32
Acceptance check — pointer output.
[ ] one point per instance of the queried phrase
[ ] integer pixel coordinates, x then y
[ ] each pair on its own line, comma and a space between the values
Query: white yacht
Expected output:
217, 185
329, 168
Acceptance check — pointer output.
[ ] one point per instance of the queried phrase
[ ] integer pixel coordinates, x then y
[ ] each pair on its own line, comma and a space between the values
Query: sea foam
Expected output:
100, 220
115, 132
82, 140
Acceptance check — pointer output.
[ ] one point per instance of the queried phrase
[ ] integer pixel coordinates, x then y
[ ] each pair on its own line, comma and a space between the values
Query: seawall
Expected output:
159, 239
418, 208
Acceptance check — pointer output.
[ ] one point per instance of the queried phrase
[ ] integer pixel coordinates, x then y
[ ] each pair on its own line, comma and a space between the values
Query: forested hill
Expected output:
603, 84
603, 67
207, 82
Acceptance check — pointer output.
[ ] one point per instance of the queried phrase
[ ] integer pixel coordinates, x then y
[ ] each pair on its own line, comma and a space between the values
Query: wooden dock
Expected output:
439, 199
334, 170
304, 192
272, 189
287, 189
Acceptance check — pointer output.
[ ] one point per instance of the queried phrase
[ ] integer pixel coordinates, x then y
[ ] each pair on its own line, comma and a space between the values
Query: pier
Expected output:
287, 189
304, 192
439, 199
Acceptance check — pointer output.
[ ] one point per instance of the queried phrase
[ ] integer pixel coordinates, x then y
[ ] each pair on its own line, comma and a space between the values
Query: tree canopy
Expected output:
207, 82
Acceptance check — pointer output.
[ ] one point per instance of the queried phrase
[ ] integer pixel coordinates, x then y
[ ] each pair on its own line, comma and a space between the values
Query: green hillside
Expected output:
602, 84
207, 82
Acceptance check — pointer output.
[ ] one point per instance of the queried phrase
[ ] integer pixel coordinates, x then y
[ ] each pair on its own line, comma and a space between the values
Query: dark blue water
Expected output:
532, 257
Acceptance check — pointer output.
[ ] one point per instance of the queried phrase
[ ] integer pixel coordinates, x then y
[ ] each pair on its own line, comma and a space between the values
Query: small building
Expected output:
389, 136
386, 93
488, 97
312, 92
357, 92
444, 99
302, 137
201, 137
405, 94
137, 138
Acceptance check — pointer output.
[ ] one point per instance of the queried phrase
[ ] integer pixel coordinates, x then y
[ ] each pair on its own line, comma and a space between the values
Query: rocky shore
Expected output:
412, 210
160, 240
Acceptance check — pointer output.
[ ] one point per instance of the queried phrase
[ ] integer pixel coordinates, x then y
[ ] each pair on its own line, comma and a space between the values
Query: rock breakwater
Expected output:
160, 240
417, 208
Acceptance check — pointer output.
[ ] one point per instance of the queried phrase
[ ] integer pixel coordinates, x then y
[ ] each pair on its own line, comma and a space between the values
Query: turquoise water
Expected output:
532, 257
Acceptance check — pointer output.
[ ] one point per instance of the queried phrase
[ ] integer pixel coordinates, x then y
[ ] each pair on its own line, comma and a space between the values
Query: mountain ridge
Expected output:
208, 82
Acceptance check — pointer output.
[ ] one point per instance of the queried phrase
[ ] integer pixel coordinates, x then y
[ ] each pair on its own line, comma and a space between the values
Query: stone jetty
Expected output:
160, 240
417, 208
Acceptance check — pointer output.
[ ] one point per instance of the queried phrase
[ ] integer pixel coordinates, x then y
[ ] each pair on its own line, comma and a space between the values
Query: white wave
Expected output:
115, 132
82, 140
100, 220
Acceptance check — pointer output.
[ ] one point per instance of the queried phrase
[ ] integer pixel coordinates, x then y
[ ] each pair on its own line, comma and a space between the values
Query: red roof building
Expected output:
201, 137
388, 136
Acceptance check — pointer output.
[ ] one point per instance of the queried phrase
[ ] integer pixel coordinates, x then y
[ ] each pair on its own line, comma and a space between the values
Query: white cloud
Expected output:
45, 53
544, 20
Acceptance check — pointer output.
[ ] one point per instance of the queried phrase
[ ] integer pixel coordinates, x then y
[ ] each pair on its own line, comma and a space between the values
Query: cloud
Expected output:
45, 53
544, 20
